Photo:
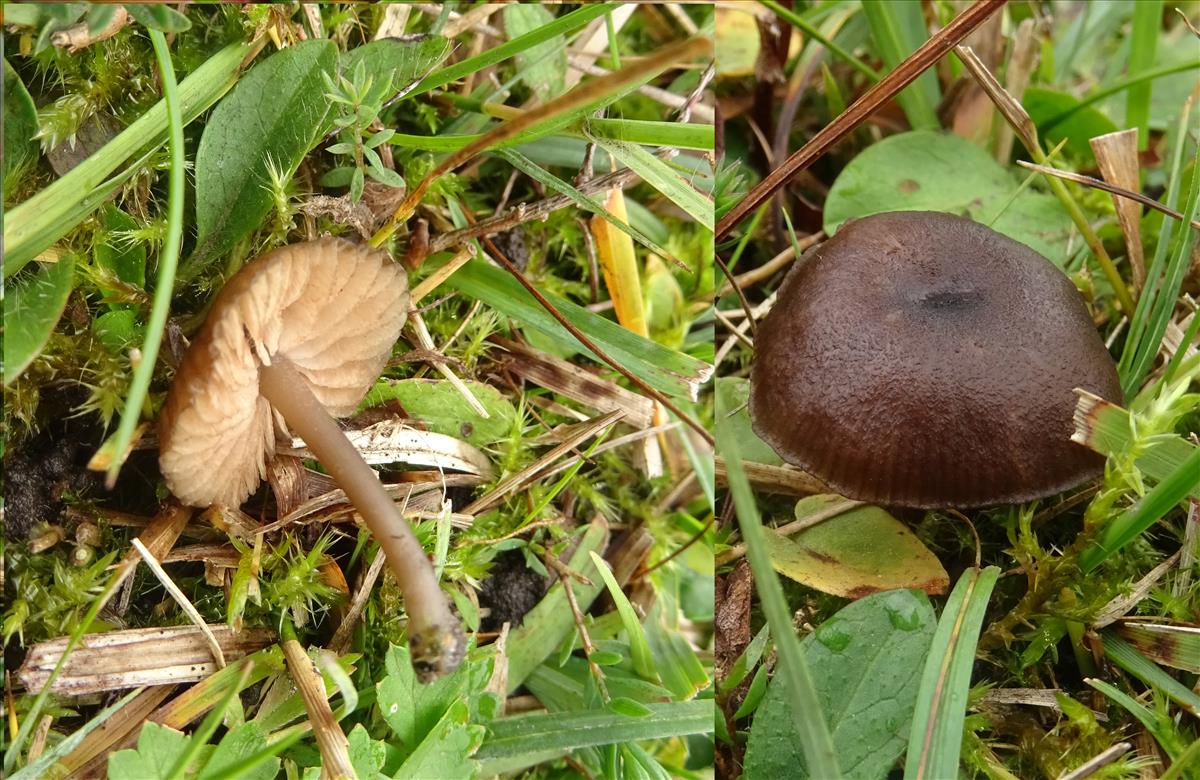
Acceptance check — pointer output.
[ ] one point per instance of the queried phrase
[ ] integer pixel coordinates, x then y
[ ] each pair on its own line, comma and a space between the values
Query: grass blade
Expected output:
1145, 513
539, 174
1143, 41
518, 742
659, 175
52, 213
673, 134
936, 738
664, 369
643, 661
165, 284
898, 29
1125, 656
563, 25
815, 738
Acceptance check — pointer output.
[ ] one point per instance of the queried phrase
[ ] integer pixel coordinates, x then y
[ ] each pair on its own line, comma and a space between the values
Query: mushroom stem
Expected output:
435, 635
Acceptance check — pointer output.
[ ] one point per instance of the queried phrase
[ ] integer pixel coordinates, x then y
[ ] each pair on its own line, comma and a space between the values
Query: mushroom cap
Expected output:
330, 307
922, 359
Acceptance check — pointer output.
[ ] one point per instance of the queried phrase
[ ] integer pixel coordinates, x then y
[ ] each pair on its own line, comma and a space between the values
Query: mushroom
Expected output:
921, 359
296, 336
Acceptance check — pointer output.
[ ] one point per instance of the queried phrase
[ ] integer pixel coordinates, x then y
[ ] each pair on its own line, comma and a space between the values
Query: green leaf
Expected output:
447, 750
929, 171
661, 177
675, 134
126, 260
40, 768
522, 741
20, 126
412, 709
157, 749
444, 410
159, 17
31, 310
543, 66
860, 551
866, 662
898, 29
55, 211
643, 663
401, 60
734, 393
667, 370
630, 708
367, 755
237, 751
118, 329
935, 740
271, 118
1044, 104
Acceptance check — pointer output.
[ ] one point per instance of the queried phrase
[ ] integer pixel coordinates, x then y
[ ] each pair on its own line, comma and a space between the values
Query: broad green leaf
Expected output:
446, 751
866, 661
31, 310
55, 211
737, 41
935, 740
158, 747
404, 60
125, 260
543, 67
413, 709
367, 755
271, 119
666, 370
734, 394
663, 178
929, 171
1044, 104
158, 16
857, 552
20, 125
522, 741
437, 404
235, 752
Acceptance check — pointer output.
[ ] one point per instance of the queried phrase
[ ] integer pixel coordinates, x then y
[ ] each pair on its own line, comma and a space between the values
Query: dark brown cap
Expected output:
922, 359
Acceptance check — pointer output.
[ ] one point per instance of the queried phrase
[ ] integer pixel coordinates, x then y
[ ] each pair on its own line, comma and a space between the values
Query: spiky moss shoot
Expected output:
292, 580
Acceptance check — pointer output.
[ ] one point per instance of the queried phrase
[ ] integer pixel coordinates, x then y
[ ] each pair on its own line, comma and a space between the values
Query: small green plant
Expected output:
359, 98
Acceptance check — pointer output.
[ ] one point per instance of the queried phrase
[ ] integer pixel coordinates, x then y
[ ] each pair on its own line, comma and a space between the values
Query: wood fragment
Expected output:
1117, 156
331, 741
135, 657
787, 480
392, 441
91, 755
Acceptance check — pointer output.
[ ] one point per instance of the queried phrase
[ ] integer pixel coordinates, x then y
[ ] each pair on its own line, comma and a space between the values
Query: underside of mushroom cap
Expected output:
331, 308
922, 359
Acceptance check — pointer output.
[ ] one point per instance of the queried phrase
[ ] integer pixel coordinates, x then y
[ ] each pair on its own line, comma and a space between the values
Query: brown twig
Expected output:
1089, 181
887, 88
